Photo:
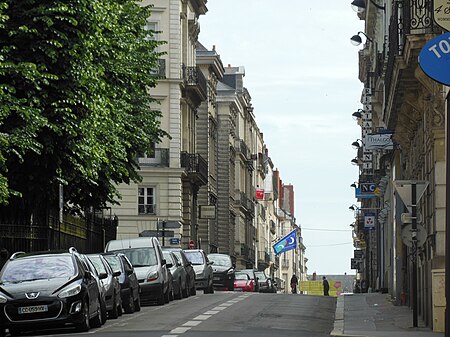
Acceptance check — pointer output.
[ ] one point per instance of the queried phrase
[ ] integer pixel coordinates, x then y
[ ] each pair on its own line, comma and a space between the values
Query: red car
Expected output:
242, 282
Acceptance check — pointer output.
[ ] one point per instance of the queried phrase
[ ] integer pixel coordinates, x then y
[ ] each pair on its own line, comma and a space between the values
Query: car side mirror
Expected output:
169, 265
234, 265
163, 262
129, 272
102, 276
117, 273
211, 262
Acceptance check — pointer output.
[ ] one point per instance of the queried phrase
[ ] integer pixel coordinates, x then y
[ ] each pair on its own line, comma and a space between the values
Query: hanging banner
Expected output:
289, 242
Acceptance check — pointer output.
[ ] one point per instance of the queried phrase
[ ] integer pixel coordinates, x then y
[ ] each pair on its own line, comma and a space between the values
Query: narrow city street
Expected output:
224, 314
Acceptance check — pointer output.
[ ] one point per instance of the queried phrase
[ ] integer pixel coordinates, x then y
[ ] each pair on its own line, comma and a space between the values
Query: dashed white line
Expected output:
192, 323
180, 329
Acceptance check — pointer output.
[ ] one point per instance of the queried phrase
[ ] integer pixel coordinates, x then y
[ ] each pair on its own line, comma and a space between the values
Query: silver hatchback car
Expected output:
202, 268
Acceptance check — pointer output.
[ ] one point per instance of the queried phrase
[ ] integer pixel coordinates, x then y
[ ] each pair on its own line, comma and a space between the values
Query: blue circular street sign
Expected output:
434, 58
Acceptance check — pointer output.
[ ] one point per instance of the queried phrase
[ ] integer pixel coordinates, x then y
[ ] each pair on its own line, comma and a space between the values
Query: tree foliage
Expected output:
74, 100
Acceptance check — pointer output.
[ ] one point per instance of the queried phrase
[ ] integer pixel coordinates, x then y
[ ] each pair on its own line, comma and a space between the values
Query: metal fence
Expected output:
88, 234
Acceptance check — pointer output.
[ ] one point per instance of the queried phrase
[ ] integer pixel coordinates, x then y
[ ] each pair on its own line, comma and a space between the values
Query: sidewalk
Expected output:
374, 315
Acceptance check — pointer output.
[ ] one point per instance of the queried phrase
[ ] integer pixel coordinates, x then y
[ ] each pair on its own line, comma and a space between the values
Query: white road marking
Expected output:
192, 323
180, 329
211, 312
202, 317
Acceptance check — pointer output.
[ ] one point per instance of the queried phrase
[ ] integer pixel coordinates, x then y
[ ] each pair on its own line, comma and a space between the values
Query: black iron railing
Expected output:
196, 166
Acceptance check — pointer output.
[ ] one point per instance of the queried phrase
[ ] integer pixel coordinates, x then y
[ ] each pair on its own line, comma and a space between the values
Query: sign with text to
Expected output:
434, 58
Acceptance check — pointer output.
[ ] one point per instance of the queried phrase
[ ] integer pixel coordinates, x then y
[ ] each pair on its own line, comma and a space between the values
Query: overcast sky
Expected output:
302, 74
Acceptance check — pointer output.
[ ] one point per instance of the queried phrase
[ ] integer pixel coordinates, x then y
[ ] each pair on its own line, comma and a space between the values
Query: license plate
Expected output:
33, 309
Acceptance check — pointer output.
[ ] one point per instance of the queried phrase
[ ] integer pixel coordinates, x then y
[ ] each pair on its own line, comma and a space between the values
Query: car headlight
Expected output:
231, 271
152, 276
3, 299
71, 290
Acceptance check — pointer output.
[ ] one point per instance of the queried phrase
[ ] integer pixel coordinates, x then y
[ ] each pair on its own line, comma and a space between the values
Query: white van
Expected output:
147, 258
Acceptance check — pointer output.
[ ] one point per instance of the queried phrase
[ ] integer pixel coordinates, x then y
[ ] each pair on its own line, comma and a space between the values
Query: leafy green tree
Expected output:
75, 105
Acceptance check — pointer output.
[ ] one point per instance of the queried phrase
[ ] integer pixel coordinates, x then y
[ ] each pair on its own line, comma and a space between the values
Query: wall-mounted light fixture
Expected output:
358, 114
354, 185
356, 39
356, 144
359, 5
356, 208
356, 161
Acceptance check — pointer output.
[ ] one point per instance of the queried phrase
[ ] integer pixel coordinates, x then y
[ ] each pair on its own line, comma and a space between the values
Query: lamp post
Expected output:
356, 39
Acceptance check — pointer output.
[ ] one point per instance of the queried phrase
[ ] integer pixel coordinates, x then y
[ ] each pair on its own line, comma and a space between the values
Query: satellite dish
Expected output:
407, 235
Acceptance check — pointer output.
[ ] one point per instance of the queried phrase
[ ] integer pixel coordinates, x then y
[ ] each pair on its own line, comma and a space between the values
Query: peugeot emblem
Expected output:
32, 296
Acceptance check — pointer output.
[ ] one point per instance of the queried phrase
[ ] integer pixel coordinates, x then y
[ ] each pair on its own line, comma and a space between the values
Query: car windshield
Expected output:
98, 264
38, 268
195, 257
241, 276
220, 260
141, 257
113, 262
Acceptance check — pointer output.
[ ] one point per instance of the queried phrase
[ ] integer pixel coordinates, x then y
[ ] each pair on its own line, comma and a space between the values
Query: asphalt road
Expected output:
224, 314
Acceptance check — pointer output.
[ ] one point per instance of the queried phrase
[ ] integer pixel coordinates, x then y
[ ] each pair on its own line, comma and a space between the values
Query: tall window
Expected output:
151, 27
146, 200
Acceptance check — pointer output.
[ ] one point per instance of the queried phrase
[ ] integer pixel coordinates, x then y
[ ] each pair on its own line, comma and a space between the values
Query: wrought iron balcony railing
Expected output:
196, 167
193, 79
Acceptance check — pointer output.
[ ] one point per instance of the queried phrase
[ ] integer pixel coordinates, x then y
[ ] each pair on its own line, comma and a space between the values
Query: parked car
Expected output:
98, 278
203, 270
243, 282
190, 272
146, 256
179, 277
252, 275
129, 284
223, 270
265, 283
110, 285
48, 290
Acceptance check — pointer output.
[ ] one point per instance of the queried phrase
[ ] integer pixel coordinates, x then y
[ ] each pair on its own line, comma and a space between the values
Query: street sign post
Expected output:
410, 191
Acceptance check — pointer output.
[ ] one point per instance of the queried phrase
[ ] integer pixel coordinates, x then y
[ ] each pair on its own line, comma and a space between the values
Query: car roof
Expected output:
140, 242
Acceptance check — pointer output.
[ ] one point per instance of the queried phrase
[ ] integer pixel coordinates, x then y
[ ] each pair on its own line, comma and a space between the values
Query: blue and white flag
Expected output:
287, 243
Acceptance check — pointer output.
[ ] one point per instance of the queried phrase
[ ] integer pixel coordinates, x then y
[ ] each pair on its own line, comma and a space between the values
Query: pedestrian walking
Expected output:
294, 283
326, 286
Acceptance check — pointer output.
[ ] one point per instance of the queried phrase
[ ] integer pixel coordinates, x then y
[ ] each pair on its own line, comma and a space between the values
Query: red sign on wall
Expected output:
259, 194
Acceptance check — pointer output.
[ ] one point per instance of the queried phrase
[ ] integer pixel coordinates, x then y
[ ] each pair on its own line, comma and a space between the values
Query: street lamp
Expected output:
354, 185
359, 5
357, 114
356, 161
356, 145
356, 39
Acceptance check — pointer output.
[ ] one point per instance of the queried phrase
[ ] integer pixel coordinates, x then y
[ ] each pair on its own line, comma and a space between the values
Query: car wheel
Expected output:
97, 321
171, 294
84, 325
120, 308
193, 289
167, 296
211, 289
137, 303
114, 313
161, 298
129, 305
184, 292
104, 311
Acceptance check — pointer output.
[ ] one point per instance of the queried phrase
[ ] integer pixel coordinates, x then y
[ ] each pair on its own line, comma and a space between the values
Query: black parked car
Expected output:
223, 271
190, 272
129, 284
48, 290
110, 285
